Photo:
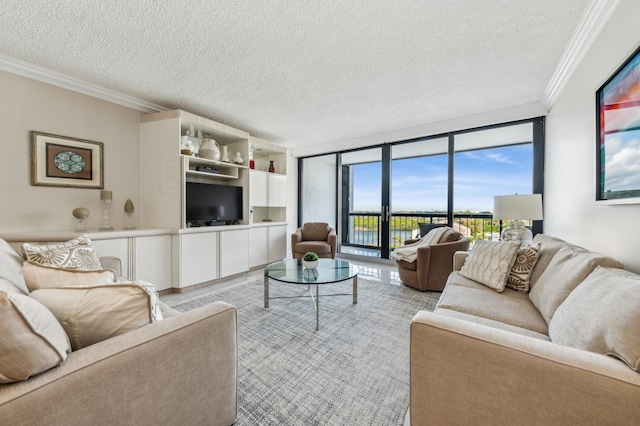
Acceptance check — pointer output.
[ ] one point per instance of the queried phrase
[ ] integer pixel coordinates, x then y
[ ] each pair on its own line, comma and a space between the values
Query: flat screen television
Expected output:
210, 204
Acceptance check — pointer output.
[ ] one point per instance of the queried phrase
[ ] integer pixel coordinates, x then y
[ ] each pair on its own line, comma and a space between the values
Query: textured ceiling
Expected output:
303, 72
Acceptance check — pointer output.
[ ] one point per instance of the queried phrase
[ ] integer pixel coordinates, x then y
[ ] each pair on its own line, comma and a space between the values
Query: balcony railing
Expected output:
365, 228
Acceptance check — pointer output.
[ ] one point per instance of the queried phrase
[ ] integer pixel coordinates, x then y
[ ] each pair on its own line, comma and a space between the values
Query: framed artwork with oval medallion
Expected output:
66, 162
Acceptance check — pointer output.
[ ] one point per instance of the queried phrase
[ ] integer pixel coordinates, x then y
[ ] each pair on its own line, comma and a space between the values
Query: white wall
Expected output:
31, 105
570, 209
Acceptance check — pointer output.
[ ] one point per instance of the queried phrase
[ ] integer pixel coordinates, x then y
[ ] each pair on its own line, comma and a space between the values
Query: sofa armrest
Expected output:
467, 373
332, 240
181, 370
459, 258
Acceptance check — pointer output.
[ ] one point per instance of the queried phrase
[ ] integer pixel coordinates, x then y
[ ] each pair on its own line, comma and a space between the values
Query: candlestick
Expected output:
105, 199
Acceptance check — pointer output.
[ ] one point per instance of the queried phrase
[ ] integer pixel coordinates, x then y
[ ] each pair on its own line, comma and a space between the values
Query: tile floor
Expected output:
375, 270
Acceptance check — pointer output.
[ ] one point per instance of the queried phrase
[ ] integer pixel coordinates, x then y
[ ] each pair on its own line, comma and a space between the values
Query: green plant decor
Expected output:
310, 256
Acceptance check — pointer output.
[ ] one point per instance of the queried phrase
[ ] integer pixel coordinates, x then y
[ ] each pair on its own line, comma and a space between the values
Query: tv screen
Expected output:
209, 204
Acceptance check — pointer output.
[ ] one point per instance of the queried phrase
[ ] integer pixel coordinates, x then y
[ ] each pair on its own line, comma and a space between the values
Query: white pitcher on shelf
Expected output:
209, 149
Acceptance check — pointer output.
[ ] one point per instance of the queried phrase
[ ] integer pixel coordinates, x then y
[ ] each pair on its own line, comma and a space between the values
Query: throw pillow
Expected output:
31, 339
601, 315
38, 276
92, 314
568, 268
489, 262
11, 269
520, 275
77, 253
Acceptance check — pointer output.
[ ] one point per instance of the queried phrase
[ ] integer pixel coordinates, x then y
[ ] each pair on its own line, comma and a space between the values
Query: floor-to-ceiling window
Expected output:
382, 194
495, 161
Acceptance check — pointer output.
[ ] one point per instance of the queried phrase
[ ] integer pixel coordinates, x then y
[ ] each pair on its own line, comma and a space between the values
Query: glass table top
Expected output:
328, 271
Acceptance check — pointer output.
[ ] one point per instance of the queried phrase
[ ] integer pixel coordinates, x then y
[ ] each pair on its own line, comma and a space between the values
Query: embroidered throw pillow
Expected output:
489, 262
77, 253
520, 276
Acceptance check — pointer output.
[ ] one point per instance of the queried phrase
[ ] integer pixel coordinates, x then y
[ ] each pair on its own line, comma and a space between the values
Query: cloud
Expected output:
622, 161
499, 158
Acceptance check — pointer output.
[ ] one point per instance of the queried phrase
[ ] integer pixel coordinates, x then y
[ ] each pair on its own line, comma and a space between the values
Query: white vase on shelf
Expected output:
225, 154
209, 149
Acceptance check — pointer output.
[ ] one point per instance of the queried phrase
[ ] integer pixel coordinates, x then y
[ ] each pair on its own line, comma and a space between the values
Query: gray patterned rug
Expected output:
353, 371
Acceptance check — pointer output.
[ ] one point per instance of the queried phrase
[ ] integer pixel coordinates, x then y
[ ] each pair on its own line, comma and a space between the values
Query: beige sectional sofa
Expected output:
177, 368
566, 352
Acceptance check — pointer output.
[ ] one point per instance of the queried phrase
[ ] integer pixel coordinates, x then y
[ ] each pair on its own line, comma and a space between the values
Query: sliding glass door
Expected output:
378, 197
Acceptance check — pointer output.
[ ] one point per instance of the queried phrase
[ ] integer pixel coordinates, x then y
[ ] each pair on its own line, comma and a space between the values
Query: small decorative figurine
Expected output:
238, 158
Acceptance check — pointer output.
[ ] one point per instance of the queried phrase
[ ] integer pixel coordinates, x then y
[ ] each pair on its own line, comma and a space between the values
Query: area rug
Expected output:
354, 370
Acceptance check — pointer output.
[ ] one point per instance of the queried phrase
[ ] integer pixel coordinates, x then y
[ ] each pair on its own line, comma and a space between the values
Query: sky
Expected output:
420, 184
622, 167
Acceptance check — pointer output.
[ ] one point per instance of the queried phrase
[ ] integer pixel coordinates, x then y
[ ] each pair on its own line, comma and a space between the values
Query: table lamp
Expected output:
515, 209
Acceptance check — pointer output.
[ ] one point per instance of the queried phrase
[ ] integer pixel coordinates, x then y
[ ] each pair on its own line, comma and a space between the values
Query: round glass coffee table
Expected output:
328, 271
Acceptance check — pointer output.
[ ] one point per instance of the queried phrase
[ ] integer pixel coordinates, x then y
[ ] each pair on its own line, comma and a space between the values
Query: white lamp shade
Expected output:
517, 207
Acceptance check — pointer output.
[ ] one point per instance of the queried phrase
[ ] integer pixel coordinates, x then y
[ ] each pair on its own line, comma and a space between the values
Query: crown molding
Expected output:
54, 78
592, 23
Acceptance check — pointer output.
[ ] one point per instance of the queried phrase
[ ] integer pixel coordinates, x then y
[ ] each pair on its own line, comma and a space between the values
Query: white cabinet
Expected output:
267, 189
146, 258
234, 252
116, 247
164, 171
277, 243
152, 260
195, 258
259, 247
277, 188
258, 192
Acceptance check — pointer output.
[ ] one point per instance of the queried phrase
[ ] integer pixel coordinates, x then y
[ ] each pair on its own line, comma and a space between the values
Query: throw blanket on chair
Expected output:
409, 253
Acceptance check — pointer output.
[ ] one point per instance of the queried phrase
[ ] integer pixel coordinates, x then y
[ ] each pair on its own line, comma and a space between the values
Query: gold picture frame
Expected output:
68, 162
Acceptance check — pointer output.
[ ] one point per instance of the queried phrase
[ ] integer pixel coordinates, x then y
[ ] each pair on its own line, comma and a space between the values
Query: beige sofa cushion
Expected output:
38, 276
92, 314
601, 315
549, 246
31, 340
568, 268
489, 262
510, 307
77, 253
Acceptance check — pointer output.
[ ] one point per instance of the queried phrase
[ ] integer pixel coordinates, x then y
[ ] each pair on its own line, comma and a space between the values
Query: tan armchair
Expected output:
317, 237
433, 265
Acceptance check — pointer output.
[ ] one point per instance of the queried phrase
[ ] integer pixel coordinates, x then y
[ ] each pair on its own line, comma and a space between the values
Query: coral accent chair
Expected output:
429, 272
317, 237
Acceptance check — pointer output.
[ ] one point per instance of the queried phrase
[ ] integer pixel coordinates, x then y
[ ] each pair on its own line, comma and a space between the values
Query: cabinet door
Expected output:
259, 247
277, 243
117, 247
234, 252
277, 190
258, 188
153, 260
198, 255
